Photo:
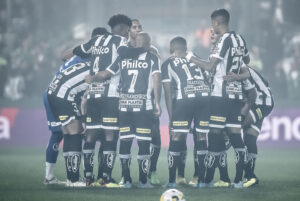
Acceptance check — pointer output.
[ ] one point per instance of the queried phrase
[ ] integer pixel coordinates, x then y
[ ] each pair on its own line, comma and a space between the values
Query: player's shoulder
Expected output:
152, 56
167, 62
118, 38
154, 49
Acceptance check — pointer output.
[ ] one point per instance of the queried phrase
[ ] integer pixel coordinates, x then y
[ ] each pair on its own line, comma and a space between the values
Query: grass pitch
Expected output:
22, 174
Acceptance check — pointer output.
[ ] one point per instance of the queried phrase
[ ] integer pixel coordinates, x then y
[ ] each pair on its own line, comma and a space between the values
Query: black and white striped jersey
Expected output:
190, 80
136, 83
103, 51
70, 79
263, 92
231, 48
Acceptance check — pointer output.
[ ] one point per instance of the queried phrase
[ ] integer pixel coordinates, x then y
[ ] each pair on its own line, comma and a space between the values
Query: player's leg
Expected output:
201, 121
216, 155
101, 139
233, 125
126, 138
53, 144
51, 156
194, 180
93, 108
181, 120
180, 179
251, 132
72, 150
68, 114
155, 151
110, 125
143, 125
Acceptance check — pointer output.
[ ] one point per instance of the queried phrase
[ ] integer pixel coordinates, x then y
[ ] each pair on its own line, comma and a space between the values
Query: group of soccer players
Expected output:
109, 89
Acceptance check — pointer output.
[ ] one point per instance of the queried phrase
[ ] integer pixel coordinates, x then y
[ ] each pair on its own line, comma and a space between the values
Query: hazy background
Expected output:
33, 33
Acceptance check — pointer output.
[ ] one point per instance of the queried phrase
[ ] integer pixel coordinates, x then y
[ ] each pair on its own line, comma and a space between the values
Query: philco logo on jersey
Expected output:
129, 63
100, 50
237, 51
179, 61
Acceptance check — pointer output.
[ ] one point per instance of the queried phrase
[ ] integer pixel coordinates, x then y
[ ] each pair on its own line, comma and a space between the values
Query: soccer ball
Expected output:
172, 195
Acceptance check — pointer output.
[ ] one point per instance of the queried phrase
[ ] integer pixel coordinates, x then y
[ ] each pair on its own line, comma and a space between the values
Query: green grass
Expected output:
22, 173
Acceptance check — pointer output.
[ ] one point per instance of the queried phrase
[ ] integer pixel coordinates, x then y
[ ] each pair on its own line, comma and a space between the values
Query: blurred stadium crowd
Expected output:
34, 33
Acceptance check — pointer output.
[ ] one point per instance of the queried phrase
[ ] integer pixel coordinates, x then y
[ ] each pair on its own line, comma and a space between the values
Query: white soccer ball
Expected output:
172, 195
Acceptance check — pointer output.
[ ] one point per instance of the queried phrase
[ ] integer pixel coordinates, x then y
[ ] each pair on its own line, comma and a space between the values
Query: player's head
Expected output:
98, 31
220, 20
214, 37
143, 40
136, 27
120, 25
178, 44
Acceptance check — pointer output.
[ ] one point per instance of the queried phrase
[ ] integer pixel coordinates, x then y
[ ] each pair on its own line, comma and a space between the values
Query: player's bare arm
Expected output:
168, 97
157, 92
243, 75
99, 77
204, 64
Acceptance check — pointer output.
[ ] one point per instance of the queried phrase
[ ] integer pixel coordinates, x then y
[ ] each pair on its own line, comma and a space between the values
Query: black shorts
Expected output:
258, 113
102, 113
136, 124
64, 111
225, 112
187, 110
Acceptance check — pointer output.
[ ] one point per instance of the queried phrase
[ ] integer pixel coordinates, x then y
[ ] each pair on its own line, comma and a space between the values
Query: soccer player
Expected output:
155, 146
139, 76
192, 104
53, 145
103, 97
61, 95
55, 127
253, 120
226, 100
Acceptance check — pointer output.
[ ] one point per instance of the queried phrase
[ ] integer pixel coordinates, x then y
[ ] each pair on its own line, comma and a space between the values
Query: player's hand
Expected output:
83, 128
245, 110
89, 79
230, 77
157, 110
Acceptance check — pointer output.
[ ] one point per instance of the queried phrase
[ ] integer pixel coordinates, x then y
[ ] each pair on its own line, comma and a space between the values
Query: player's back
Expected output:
264, 95
136, 81
190, 80
70, 78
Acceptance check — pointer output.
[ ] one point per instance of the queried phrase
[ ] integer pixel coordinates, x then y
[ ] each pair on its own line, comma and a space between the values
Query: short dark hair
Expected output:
99, 31
179, 40
223, 14
119, 19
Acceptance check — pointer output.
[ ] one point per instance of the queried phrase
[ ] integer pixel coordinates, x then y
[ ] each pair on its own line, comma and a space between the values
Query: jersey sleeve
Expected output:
114, 67
221, 48
166, 76
84, 50
155, 62
246, 52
